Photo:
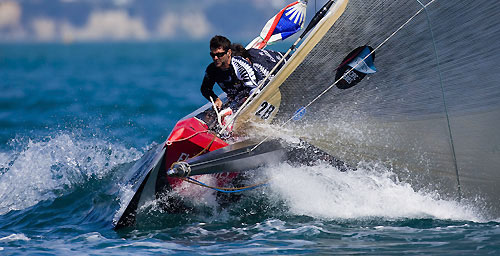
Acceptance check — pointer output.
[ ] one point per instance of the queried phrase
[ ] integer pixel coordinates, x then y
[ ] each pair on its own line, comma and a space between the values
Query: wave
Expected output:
37, 170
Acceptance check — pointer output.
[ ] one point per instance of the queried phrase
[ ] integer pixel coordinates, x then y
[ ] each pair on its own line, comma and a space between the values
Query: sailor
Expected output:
263, 61
233, 74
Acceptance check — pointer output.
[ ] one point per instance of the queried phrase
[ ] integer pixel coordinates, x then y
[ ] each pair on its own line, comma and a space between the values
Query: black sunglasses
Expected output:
219, 55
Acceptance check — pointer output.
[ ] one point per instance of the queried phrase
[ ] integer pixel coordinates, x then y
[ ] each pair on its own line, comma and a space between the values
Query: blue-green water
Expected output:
73, 116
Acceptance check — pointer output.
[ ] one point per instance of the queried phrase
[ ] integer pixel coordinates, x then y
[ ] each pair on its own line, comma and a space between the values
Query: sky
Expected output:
134, 20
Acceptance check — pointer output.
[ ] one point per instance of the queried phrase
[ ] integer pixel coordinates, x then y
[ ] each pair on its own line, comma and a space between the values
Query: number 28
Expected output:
265, 110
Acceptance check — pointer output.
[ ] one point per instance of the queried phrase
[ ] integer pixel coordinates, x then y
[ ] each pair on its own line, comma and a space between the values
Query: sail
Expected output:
426, 105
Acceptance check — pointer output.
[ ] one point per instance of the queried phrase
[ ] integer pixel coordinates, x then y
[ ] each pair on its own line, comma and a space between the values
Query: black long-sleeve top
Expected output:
237, 79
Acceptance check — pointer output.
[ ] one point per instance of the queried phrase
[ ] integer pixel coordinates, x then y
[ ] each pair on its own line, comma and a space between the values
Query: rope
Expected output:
348, 72
226, 190
261, 84
444, 101
169, 143
199, 183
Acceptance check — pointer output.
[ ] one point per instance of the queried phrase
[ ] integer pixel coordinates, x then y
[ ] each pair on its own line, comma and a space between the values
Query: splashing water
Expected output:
370, 192
373, 191
46, 169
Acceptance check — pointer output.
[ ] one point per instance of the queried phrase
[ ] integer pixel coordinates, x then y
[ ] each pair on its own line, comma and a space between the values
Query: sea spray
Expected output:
193, 195
195, 201
44, 169
372, 191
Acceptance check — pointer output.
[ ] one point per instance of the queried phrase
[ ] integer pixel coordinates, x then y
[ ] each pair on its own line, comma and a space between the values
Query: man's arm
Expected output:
207, 87
207, 90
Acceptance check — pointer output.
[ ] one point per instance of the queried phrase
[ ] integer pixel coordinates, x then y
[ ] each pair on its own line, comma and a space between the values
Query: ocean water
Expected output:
73, 118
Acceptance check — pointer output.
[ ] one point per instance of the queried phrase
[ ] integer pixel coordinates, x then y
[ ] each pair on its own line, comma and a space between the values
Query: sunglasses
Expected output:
219, 55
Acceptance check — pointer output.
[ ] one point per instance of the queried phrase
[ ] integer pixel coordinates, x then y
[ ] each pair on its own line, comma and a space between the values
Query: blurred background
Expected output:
124, 69
88, 86
133, 20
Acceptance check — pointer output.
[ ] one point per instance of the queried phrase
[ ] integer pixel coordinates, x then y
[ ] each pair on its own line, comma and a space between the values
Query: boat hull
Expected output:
148, 180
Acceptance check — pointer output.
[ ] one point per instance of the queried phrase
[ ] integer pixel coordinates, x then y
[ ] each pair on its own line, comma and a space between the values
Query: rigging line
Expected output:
169, 142
444, 101
225, 189
260, 86
348, 72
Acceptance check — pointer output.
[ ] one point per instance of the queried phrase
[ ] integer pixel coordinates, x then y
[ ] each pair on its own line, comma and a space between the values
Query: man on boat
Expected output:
233, 74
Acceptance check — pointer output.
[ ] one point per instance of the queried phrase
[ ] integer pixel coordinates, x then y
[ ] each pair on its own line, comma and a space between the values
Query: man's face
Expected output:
220, 57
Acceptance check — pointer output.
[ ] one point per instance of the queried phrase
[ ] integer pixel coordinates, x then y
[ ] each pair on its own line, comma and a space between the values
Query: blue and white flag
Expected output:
284, 24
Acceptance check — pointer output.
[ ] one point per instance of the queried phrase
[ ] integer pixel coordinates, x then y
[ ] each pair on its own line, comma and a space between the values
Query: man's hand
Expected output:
218, 103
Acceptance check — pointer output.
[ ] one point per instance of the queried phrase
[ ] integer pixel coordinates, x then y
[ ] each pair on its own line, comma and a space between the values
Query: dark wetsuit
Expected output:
237, 81
263, 61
